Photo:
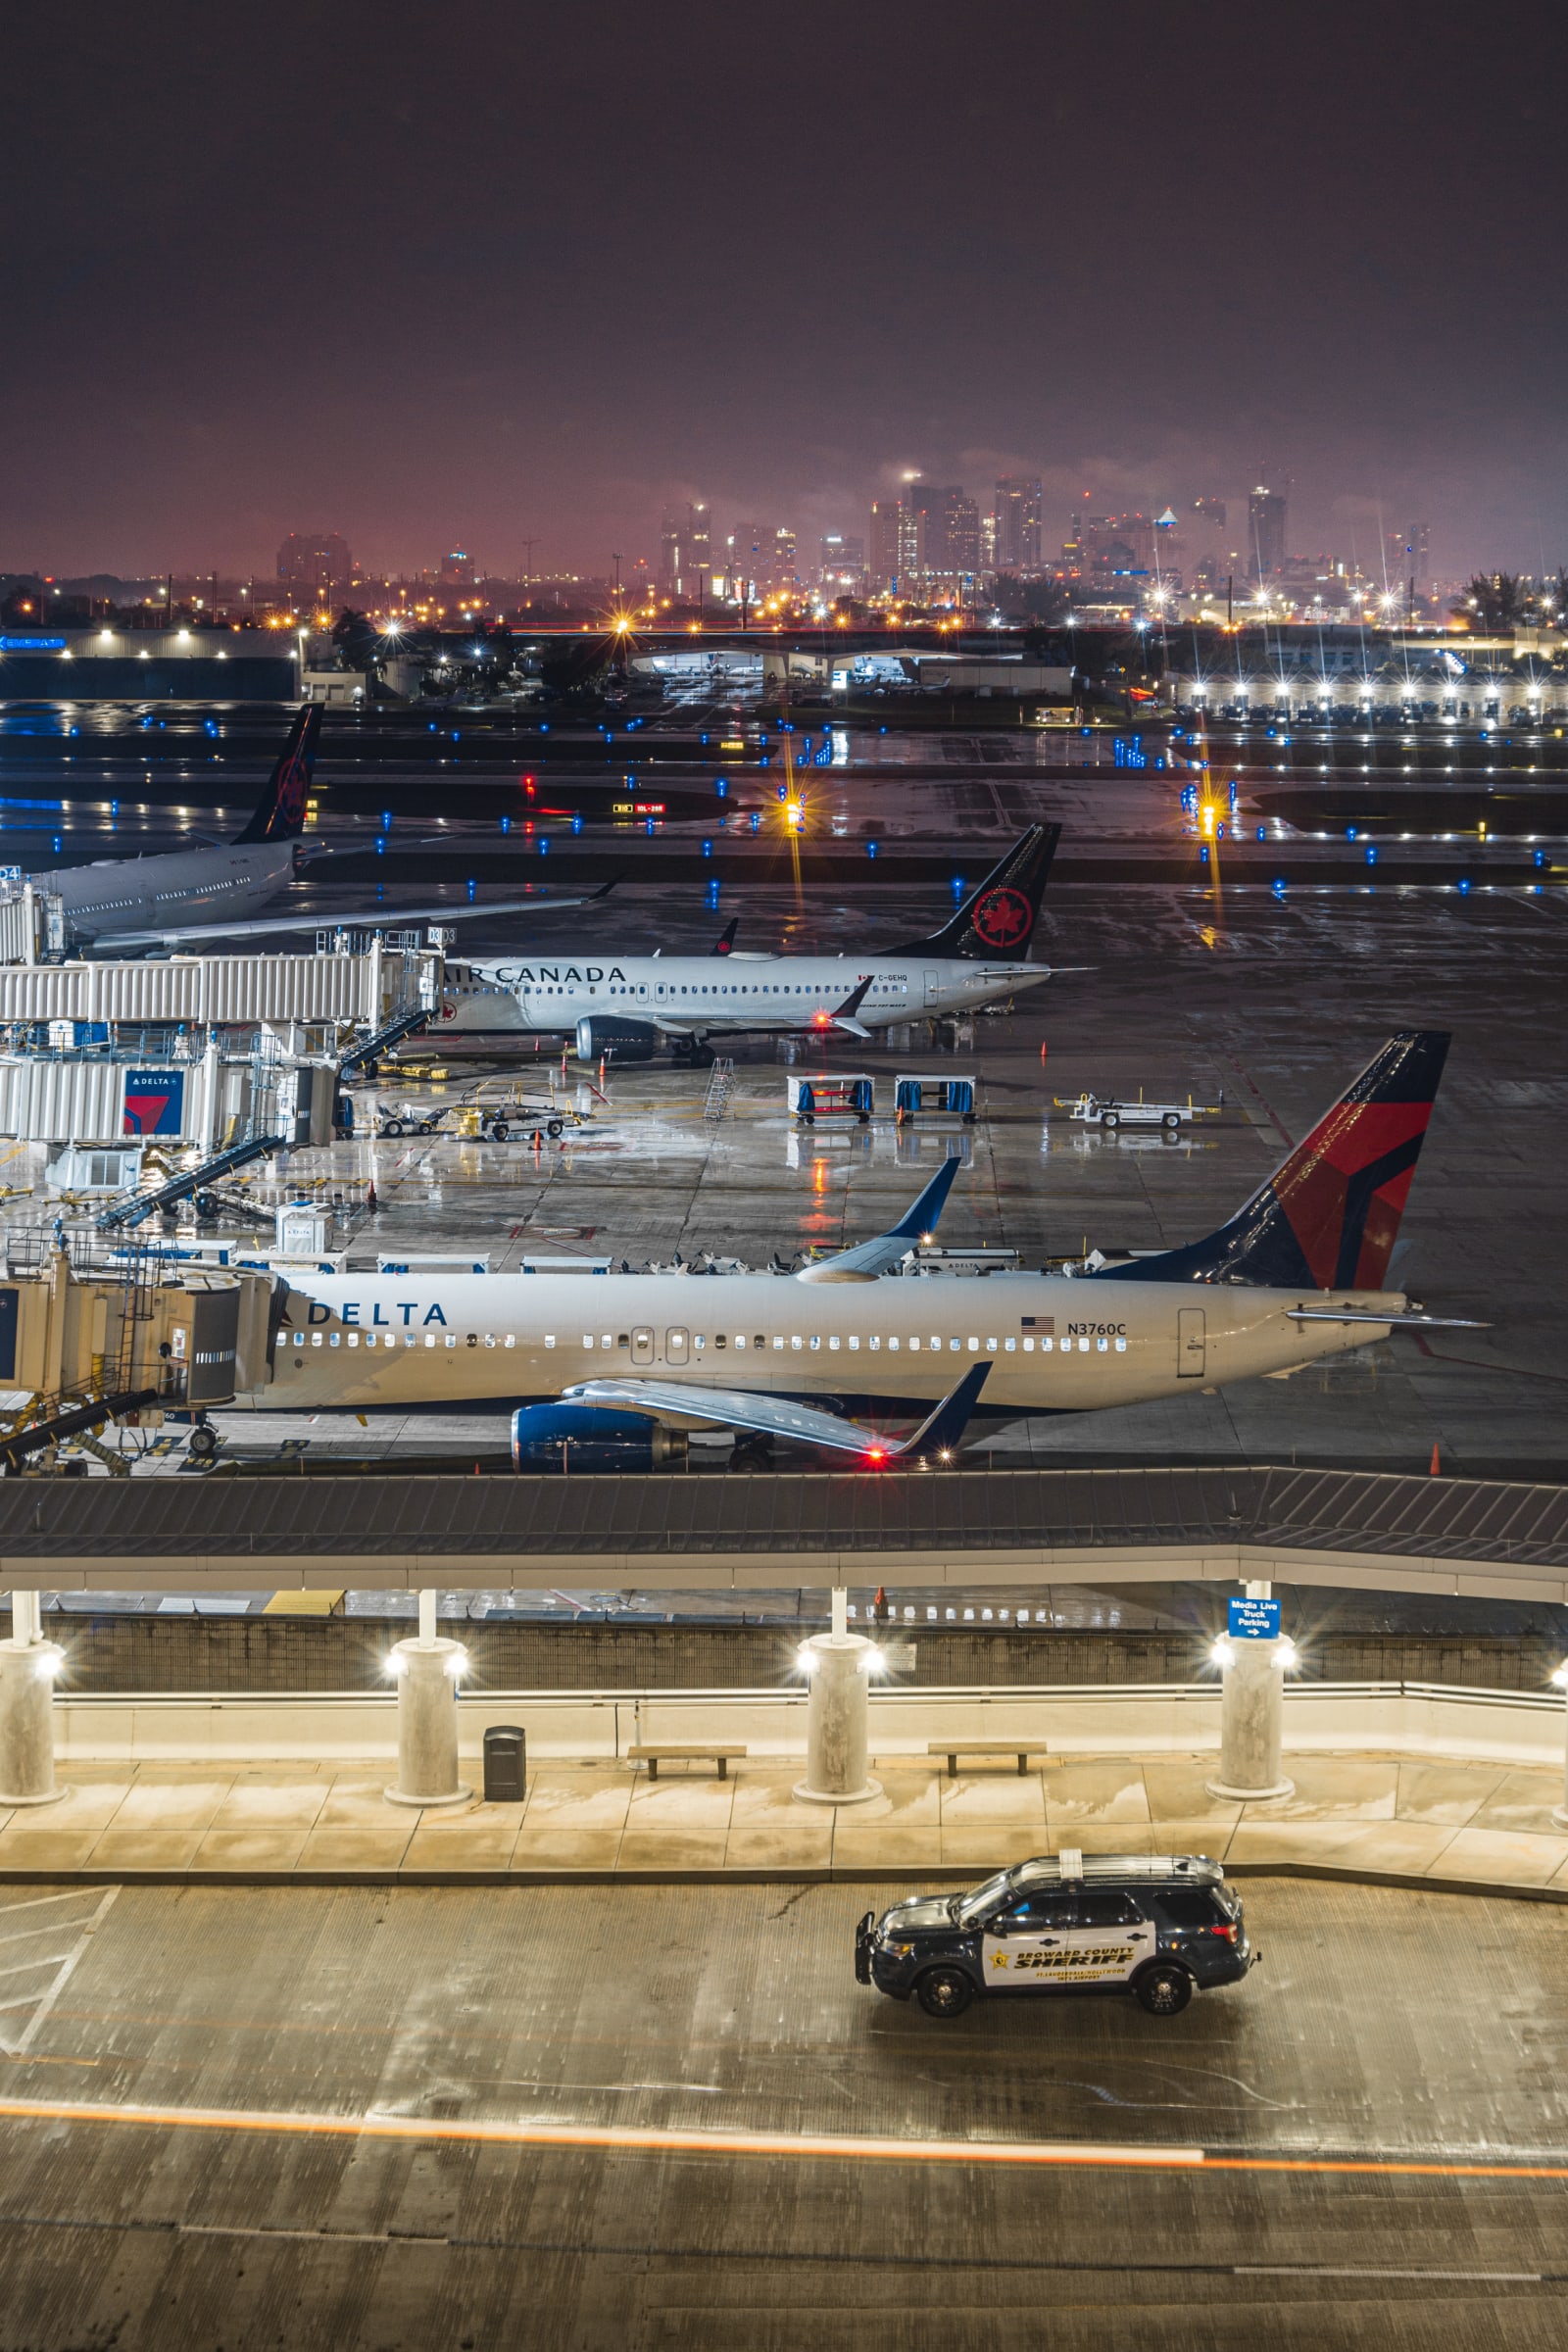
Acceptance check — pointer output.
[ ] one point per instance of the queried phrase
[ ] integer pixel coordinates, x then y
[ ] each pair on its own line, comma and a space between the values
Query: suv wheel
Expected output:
1164, 1989
943, 1992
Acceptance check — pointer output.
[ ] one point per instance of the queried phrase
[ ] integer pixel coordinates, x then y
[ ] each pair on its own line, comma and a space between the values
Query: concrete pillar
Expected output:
1560, 1812
839, 1664
28, 1665
427, 1671
1251, 1717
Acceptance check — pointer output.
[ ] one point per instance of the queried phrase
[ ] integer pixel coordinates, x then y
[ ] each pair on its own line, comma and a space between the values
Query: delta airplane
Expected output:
629, 1005
610, 1371
187, 897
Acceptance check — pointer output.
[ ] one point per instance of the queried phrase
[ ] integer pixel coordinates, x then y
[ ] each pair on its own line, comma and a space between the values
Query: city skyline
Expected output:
424, 307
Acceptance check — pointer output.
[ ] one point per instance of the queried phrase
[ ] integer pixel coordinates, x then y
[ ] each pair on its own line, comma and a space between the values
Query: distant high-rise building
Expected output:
840, 564
1212, 510
1018, 524
685, 548
1407, 557
782, 572
457, 569
948, 525
1265, 534
314, 561
891, 546
751, 554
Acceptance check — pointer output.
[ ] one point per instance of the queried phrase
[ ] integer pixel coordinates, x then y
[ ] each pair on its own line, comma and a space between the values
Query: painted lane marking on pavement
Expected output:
822, 2257
652, 2140
56, 1966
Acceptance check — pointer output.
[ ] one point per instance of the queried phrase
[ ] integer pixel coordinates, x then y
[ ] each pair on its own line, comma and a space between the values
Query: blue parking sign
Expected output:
1254, 1620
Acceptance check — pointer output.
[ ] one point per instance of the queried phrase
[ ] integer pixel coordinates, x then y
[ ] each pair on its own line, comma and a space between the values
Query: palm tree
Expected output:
1491, 601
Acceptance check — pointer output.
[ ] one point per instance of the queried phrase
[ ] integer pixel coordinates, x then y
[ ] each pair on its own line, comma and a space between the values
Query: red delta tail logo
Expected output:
1003, 918
1344, 1193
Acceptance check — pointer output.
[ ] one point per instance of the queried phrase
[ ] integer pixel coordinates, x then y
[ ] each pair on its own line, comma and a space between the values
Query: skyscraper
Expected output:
885, 545
1265, 534
1407, 557
1018, 524
949, 526
314, 560
685, 548
841, 563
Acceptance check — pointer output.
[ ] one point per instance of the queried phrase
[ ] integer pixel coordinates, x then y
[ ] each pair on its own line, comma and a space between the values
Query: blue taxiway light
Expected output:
870, 848
757, 820
576, 824
722, 787
543, 844
707, 849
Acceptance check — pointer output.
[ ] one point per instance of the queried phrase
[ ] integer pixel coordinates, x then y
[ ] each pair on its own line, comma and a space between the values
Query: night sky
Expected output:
484, 274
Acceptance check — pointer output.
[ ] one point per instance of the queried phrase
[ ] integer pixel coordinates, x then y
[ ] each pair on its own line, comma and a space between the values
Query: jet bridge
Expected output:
133, 1329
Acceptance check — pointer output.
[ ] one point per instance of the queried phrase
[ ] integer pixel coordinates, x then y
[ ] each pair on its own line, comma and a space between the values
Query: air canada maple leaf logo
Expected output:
1003, 918
291, 790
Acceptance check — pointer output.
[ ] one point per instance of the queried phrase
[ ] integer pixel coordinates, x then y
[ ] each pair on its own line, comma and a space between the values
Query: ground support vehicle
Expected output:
808, 1100
1160, 1927
1094, 1111
955, 1095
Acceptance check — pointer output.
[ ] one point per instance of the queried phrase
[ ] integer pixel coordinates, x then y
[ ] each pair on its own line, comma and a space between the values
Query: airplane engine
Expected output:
586, 1436
598, 1039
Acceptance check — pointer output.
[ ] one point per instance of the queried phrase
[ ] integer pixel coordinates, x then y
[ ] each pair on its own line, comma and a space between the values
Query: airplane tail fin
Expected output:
726, 938
280, 811
1328, 1218
998, 920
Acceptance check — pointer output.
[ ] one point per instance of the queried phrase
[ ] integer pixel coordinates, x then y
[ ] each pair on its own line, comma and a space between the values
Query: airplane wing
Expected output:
779, 1417
1366, 1314
844, 1017
868, 1259
384, 918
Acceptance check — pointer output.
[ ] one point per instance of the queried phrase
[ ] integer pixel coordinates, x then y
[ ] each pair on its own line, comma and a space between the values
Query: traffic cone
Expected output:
1041, 1050
372, 1204
1437, 1459
879, 1604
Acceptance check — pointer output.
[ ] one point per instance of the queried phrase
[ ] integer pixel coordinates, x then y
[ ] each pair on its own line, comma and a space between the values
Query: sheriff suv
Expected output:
1158, 1925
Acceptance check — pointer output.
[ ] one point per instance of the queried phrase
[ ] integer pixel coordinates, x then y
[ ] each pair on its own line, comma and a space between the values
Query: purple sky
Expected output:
483, 275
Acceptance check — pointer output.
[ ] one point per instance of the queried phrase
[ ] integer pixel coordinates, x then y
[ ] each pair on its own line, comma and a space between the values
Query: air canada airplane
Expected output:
611, 1371
185, 898
628, 1006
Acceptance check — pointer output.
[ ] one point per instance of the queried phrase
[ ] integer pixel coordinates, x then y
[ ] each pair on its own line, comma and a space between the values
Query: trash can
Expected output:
506, 1764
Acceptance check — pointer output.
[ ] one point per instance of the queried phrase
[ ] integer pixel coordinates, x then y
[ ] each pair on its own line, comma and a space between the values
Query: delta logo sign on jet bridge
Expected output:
155, 1103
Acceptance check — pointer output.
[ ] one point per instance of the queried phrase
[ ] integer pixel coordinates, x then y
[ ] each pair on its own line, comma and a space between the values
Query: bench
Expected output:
653, 1756
952, 1749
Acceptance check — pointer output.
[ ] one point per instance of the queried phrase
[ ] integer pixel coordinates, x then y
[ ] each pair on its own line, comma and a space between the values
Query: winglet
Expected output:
853, 1000
603, 892
940, 1432
867, 1259
919, 1219
726, 938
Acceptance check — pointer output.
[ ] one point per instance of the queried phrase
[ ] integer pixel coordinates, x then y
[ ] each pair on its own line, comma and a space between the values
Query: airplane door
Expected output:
642, 1344
933, 988
676, 1343
1190, 1341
